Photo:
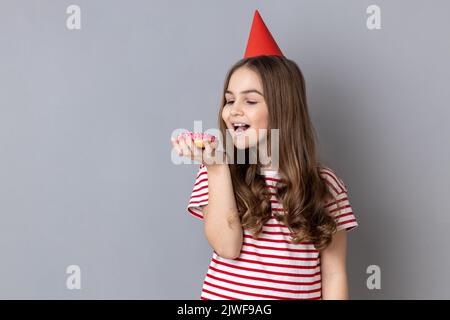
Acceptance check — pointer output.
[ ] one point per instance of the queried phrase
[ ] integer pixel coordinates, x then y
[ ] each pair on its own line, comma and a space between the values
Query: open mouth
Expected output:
240, 127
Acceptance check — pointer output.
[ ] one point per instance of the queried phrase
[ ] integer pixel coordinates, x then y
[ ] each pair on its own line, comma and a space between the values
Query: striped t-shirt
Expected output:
271, 266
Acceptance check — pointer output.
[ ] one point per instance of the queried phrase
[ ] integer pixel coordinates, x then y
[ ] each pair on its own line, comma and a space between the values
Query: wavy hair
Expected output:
302, 191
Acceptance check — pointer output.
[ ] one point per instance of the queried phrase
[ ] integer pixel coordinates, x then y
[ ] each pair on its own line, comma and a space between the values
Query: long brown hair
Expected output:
303, 195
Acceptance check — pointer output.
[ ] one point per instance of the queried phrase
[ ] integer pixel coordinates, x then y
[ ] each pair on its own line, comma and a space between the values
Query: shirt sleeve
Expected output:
199, 195
342, 210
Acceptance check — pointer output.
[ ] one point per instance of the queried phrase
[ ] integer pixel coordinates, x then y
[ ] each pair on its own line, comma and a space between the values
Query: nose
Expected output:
236, 109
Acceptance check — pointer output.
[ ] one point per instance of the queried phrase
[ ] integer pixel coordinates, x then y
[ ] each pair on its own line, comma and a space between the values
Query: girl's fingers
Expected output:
207, 153
192, 148
175, 146
214, 144
208, 147
184, 147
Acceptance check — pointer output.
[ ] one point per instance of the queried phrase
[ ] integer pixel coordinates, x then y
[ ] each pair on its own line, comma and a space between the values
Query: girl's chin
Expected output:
244, 140
239, 147
243, 145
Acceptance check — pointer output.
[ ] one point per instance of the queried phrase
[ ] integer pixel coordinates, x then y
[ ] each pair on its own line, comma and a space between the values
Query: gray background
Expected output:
86, 176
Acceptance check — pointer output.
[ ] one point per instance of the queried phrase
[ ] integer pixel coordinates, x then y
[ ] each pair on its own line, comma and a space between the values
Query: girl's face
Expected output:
245, 105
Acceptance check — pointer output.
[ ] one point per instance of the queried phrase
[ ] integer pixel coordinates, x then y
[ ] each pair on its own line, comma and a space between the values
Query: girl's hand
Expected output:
185, 146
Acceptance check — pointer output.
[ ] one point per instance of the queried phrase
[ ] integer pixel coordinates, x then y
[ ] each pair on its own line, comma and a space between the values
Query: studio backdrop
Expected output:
92, 205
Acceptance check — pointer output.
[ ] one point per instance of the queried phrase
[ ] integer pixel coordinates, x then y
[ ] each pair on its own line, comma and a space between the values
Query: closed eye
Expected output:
249, 102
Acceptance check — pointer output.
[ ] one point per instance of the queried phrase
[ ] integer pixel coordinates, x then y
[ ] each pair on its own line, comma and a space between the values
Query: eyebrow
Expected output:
247, 91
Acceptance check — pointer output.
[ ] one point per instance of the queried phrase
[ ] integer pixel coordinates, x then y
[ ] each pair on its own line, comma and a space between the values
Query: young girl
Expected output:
275, 233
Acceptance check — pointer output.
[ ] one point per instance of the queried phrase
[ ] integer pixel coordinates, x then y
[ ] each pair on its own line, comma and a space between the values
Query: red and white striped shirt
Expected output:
271, 266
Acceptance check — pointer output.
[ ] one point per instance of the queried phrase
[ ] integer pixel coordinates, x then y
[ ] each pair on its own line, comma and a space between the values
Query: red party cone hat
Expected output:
260, 41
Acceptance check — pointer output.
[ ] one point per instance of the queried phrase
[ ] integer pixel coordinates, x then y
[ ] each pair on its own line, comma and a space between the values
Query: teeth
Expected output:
239, 124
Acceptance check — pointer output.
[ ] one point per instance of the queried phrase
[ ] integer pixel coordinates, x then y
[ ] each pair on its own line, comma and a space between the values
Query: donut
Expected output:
198, 138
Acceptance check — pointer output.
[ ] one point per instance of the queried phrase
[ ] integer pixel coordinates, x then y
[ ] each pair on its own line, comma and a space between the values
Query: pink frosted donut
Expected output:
198, 137
184, 135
